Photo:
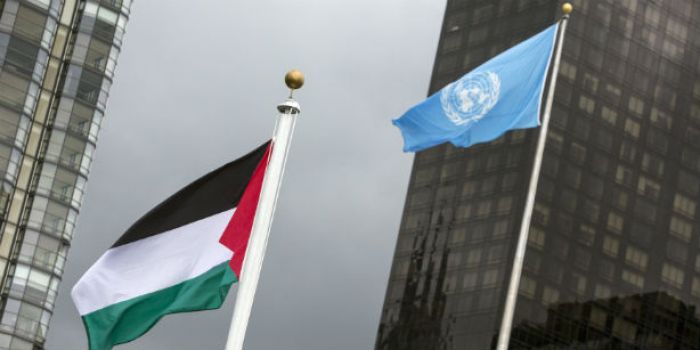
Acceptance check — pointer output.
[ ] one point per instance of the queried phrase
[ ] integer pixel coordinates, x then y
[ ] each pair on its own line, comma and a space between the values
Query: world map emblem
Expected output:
468, 99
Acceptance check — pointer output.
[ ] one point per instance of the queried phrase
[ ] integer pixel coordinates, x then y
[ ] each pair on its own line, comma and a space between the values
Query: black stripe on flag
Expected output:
216, 192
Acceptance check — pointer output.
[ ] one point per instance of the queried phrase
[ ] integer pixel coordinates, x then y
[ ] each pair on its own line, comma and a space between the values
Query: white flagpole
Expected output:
252, 263
513, 286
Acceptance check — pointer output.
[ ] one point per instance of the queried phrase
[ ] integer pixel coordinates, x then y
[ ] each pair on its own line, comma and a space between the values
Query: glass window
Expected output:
493, 162
454, 258
464, 211
458, 236
474, 257
665, 96
509, 181
89, 87
582, 258
684, 205
645, 211
98, 55
606, 269
672, 49
484, 208
672, 275
469, 281
490, 278
681, 228
30, 23
619, 199
641, 234
567, 70
615, 222
550, 295
9, 123
628, 151
424, 175
648, 188
603, 139
579, 283
505, 204
692, 134
636, 105
609, 115
573, 176
612, 93
610, 246
22, 55
652, 15
594, 57
500, 229
536, 238
657, 140
676, 251
488, 185
688, 183
528, 286
28, 319
624, 176
695, 287
477, 36
13, 89
541, 214
469, 189
581, 128
690, 159
600, 164
590, 82
632, 128
653, 165
555, 142
586, 235
599, 317
568, 200
632, 278
577, 152
637, 258
586, 104
591, 211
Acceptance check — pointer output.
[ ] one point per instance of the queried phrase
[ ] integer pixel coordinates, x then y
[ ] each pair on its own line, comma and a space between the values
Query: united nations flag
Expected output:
502, 94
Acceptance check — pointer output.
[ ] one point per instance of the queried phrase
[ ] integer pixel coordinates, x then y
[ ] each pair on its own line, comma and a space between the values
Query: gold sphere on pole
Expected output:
294, 79
567, 8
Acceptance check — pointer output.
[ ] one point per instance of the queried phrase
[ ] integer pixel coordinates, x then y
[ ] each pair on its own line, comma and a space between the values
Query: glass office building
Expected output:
613, 259
57, 60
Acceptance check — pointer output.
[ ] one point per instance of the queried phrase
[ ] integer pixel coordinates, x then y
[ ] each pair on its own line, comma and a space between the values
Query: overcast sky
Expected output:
196, 86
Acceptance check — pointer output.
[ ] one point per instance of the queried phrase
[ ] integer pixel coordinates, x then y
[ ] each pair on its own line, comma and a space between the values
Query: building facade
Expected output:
616, 215
57, 60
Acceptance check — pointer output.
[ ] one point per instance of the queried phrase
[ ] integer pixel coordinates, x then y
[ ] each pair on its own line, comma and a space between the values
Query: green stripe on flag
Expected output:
127, 320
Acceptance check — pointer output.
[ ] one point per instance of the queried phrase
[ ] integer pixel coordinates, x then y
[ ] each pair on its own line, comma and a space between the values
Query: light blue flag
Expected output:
502, 94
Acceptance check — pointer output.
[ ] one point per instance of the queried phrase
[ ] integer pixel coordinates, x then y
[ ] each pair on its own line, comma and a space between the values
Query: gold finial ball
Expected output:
567, 8
294, 79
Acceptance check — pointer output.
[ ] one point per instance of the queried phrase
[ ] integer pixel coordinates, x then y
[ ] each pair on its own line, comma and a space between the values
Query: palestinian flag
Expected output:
171, 259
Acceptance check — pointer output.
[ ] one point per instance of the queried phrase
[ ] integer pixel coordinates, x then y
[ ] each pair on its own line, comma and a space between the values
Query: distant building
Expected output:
57, 61
617, 204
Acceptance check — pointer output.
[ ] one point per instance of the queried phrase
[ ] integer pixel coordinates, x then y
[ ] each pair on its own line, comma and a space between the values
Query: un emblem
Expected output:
468, 99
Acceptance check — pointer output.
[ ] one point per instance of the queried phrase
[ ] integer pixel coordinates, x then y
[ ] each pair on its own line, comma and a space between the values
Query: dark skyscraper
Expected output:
613, 260
57, 61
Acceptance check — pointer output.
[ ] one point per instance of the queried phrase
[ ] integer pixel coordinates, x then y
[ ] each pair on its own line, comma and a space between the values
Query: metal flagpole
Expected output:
513, 286
252, 263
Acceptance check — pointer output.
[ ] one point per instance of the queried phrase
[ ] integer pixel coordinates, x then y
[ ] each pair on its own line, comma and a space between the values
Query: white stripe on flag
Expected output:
153, 263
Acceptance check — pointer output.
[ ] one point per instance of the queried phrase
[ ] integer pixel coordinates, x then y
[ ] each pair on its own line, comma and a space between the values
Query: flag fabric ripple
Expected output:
171, 260
502, 94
